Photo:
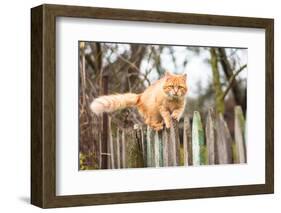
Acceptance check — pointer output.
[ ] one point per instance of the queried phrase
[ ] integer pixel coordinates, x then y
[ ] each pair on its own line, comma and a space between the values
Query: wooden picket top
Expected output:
200, 145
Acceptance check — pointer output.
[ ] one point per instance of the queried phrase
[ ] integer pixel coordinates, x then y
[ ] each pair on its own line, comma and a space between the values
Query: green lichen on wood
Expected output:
198, 147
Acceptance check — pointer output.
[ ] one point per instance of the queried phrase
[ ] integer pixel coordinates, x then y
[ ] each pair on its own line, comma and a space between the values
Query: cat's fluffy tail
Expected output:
110, 103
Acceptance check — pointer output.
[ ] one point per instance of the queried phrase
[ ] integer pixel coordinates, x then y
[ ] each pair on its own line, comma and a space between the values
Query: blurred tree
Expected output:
219, 101
238, 92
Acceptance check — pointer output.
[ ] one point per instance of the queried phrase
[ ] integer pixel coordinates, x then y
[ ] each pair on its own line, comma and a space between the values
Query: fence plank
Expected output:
224, 141
118, 149
166, 149
158, 149
143, 146
110, 147
150, 147
175, 143
239, 131
197, 140
123, 147
187, 151
210, 137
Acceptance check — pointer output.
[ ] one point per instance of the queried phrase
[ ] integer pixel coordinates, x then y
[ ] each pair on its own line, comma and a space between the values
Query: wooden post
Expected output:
158, 149
175, 143
111, 147
210, 137
144, 148
100, 146
123, 149
197, 140
166, 148
118, 149
187, 142
150, 147
104, 154
224, 141
239, 131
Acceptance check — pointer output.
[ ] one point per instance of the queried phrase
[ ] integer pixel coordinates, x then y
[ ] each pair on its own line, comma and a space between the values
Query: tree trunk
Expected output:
238, 93
216, 81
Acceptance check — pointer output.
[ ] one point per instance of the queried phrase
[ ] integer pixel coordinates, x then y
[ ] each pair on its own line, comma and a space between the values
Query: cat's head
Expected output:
175, 85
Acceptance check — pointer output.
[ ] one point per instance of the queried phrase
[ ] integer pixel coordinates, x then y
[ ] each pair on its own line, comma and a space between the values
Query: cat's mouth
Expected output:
174, 96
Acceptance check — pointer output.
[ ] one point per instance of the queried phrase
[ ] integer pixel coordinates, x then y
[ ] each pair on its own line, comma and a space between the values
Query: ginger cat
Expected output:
157, 104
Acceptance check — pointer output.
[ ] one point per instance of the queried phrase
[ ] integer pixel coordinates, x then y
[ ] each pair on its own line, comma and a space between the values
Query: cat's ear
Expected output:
184, 76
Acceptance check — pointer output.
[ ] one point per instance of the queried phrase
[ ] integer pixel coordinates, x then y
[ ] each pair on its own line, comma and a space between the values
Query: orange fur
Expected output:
157, 104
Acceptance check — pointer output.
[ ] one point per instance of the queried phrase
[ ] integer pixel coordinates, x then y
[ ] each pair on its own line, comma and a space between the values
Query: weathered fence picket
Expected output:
144, 147
158, 149
110, 146
166, 148
210, 138
150, 147
239, 129
197, 140
224, 141
123, 148
187, 142
118, 149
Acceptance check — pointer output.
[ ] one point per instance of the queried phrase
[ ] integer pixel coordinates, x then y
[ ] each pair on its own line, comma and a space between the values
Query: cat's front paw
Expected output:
157, 126
176, 115
168, 124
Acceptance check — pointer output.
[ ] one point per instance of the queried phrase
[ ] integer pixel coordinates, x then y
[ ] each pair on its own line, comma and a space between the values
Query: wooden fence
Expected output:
184, 144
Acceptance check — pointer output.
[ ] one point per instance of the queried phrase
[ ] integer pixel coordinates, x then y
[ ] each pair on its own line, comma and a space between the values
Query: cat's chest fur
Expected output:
173, 104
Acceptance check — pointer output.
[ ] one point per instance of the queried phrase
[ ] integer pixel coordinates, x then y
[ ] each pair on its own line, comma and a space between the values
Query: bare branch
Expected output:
231, 80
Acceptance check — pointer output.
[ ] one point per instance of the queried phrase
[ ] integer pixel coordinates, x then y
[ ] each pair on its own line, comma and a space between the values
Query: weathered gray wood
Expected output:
110, 146
118, 149
143, 146
123, 149
175, 143
224, 141
210, 137
166, 149
158, 149
150, 147
100, 151
197, 140
239, 132
161, 159
187, 152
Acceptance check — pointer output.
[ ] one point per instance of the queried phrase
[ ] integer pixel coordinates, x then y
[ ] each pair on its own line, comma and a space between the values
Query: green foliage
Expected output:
87, 161
234, 152
134, 154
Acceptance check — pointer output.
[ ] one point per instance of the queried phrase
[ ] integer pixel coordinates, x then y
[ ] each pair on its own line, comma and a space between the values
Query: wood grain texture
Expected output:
239, 132
43, 105
211, 138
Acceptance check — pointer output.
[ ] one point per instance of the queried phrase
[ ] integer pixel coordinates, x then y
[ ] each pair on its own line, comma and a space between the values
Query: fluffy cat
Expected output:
157, 104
